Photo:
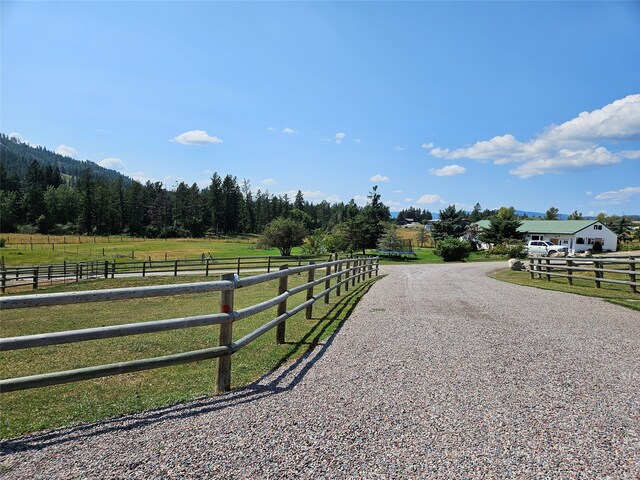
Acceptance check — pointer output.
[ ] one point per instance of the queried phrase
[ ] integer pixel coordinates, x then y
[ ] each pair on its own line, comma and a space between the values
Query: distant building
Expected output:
576, 235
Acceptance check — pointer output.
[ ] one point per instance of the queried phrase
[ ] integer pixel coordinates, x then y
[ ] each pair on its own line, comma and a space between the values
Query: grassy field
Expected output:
618, 294
55, 406
41, 253
121, 248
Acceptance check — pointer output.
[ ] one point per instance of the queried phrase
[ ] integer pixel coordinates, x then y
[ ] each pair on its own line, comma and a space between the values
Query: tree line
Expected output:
46, 201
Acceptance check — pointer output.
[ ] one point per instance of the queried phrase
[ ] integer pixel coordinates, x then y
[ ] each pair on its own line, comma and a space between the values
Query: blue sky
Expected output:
525, 104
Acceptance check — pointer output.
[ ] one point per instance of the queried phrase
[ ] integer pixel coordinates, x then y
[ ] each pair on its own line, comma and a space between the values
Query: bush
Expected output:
511, 250
3, 242
453, 249
284, 234
27, 229
314, 244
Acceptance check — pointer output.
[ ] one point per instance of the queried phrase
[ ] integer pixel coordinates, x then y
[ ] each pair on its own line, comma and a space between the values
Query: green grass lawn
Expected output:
427, 255
618, 294
157, 249
50, 407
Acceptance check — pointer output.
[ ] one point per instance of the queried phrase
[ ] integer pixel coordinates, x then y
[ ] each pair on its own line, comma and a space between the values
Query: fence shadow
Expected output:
281, 379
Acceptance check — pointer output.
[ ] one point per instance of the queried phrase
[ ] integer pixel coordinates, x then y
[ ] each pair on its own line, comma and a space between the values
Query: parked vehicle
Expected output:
538, 247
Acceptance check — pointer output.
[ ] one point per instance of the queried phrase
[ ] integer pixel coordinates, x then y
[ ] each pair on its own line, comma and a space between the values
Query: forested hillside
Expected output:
41, 191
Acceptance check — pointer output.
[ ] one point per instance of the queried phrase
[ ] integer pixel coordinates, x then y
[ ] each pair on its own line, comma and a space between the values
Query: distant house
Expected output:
576, 235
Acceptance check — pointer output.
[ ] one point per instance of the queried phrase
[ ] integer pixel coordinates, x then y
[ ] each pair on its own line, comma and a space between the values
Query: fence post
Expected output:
354, 277
206, 271
106, 269
113, 268
531, 267
175, 269
49, 272
310, 278
548, 262
64, 268
597, 273
347, 277
282, 306
570, 272
35, 278
144, 268
632, 275
3, 285
338, 269
226, 337
269, 264
238, 266
327, 284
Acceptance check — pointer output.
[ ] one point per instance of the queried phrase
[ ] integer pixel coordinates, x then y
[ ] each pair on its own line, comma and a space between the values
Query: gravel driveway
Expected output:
441, 372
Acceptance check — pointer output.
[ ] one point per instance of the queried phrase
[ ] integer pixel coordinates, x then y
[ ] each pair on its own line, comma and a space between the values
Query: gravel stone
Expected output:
440, 372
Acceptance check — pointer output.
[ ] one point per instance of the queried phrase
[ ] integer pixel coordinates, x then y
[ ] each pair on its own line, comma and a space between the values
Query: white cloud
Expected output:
315, 196
448, 171
271, 129
142, 177
397, 191
289, 131
15, 136
195, 137
399, 148
408, 200
573, 145
360, 199
589, 192
430, 198
427, 145
269, 181
617, 196
379, 178
630, 154
66, 151
566, 160
340, 136
358, 140
113, 163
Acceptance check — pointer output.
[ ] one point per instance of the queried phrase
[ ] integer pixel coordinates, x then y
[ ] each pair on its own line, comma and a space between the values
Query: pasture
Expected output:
54, 406
46, 249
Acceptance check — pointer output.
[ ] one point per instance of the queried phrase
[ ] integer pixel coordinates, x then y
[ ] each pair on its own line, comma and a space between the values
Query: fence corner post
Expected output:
35, 278
310, 278
282, 306
225, 337
632, 275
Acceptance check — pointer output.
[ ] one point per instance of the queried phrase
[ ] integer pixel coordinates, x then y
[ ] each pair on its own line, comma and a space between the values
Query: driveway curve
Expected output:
440, 372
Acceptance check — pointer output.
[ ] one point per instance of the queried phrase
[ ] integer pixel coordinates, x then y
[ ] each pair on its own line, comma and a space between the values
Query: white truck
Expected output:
539, 247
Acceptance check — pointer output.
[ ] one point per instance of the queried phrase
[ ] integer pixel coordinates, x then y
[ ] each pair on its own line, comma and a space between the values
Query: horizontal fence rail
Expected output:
34, 276
578, 268
337, 274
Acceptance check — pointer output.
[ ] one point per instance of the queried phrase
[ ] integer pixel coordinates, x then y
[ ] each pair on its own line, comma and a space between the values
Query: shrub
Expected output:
3, 242
27, 229
511, 250
314, 244
284, 234
453, 249
597, 247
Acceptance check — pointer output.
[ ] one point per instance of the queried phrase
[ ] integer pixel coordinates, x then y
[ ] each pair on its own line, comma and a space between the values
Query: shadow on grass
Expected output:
277, 381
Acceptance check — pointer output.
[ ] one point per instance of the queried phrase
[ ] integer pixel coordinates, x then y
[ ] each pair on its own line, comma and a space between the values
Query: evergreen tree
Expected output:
551, 214
502, 227
451, 223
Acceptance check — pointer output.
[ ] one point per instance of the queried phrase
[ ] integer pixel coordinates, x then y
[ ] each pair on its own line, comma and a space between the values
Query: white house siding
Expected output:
580, 241
585, 238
